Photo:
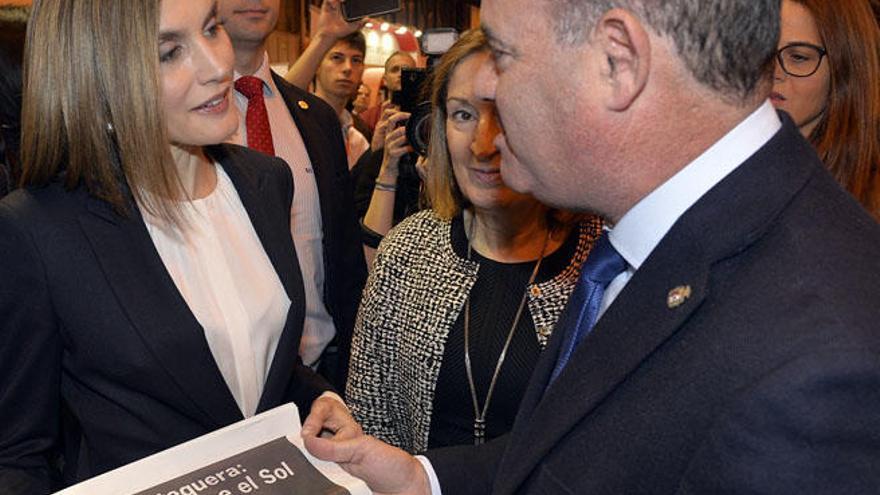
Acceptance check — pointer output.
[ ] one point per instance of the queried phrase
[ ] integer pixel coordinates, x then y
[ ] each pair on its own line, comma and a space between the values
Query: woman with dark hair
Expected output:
462, 297
150, 289
828, 80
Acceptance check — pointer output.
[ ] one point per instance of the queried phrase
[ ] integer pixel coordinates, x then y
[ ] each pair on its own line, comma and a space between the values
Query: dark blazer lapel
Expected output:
736, 212
252, 187
615, 347
155, 308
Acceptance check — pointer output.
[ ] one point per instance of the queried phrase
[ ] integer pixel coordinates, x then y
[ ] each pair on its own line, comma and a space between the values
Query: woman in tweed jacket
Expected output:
462, 297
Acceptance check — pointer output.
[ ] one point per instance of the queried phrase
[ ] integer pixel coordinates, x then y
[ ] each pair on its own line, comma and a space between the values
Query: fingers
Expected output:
338, 451
331, 415
396, 144
385, 469
321, 417
396, 117
331, 20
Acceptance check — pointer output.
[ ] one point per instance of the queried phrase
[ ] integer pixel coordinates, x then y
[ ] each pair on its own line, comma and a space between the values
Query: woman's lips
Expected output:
215, 105
489, 177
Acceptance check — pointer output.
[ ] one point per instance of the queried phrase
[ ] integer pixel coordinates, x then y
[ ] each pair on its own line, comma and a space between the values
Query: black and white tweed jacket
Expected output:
412, 299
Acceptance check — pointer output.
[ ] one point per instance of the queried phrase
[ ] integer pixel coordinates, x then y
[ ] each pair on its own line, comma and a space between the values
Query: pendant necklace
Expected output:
480, 413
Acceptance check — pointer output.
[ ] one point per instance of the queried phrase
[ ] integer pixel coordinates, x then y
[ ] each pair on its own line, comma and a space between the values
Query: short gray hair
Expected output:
728, 45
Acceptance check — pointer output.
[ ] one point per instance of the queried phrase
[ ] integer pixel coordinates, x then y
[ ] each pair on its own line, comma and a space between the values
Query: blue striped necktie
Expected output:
603, 264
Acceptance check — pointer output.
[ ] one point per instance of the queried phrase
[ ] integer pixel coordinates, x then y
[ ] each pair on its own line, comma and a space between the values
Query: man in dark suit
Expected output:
735, 346
300, 128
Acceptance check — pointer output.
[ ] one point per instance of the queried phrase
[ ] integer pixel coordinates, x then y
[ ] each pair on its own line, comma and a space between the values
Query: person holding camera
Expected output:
462, 297
386, 208
388, 181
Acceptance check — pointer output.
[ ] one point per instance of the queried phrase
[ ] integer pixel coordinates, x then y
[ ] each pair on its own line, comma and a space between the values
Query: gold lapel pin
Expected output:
302, 104
677, 296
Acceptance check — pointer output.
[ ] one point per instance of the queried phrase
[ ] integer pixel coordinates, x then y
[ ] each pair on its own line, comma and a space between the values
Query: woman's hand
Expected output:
382, 126
395, 146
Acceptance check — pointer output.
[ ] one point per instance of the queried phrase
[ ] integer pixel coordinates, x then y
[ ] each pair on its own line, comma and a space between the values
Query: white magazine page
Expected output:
262, 455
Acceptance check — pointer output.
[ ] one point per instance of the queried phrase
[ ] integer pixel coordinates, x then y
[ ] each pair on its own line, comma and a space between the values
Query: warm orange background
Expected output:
15, 2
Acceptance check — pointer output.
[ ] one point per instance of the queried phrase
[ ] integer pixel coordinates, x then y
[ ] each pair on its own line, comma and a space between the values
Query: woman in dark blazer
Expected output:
150, 289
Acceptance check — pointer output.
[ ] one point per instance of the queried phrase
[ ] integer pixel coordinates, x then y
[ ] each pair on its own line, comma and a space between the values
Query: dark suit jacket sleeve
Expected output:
365, 172
811, 426
305, 387
30, 361
467, 469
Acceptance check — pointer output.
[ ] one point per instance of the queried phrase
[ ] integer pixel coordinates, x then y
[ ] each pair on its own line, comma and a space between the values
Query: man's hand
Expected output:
331, 23
329, 415
387, 470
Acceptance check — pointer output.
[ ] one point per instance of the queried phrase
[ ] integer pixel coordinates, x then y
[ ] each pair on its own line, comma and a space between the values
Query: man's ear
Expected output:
627, 49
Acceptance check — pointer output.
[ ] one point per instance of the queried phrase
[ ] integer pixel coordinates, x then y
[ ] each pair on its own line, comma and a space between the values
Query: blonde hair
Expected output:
91, 110
443, 193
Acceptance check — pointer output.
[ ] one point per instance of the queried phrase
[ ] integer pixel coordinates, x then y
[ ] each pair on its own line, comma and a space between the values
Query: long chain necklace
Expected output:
480, 413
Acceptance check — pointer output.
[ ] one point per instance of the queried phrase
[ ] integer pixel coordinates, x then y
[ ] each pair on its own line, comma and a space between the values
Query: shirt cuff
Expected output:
432, 476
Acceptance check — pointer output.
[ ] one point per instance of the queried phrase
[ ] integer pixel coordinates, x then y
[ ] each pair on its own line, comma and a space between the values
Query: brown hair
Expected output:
847, 137
443, 194
91, 112
355, 40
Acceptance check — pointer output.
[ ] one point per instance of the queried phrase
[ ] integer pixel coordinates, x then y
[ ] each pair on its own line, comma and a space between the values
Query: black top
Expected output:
494, 300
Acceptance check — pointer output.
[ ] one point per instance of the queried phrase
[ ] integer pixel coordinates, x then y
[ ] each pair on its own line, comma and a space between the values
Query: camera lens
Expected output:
418, 128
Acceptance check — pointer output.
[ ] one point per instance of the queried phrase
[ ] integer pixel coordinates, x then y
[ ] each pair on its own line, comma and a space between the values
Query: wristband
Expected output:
382, 186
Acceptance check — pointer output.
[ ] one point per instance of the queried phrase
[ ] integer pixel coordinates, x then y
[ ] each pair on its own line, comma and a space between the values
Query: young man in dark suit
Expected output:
283, 120
726, 338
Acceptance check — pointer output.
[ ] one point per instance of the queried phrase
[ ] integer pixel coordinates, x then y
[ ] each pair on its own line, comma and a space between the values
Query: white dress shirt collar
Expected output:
263, 73
640, 230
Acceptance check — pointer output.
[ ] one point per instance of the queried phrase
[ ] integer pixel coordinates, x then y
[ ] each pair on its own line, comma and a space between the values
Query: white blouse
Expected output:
223, 273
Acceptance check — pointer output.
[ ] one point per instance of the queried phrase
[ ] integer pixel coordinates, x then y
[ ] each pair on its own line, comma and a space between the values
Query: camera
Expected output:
414, 96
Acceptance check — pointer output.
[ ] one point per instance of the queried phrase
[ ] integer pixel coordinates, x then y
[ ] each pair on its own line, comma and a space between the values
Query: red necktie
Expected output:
259, 134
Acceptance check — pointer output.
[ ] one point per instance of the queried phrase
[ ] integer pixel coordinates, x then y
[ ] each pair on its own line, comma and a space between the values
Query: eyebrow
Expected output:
493, 39
165, 36
458, 99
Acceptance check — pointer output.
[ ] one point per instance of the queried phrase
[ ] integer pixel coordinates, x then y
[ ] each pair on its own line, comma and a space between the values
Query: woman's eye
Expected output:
462, 116
213, 30
169, 55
